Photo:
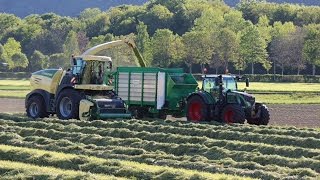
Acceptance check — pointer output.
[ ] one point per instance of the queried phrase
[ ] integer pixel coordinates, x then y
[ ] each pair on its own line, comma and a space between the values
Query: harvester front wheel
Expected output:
264, 116
197, 109
68, 104
36, 107
233, 113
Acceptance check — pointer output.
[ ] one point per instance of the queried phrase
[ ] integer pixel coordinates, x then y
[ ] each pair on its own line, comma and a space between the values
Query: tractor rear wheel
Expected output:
233, 113
197, 109
264, 116
67, 106
36, 107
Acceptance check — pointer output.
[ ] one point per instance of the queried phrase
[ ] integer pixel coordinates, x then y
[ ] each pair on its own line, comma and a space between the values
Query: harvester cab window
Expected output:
97, 75
108, 66
77, 68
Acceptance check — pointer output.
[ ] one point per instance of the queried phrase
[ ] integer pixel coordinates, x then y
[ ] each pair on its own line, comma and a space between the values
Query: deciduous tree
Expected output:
311, 49
198, 48
144, 42
253, 47
165, 48
37, 61
19, 60
11, 47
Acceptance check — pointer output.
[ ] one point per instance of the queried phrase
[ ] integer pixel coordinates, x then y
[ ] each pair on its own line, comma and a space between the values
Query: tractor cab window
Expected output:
230, 83
208, 84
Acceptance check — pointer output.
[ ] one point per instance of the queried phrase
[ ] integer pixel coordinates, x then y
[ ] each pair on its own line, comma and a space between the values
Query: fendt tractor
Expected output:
219, 99
93, 89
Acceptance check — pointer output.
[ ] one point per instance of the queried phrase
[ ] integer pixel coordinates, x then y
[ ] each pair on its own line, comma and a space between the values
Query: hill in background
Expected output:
23, 8
304, 2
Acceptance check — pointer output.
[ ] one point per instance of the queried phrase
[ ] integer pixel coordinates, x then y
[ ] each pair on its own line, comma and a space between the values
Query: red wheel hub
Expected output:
195, 112
228, 116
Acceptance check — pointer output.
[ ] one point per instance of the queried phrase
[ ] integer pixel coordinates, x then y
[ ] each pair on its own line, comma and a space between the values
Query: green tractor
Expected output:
85, 91
219, 99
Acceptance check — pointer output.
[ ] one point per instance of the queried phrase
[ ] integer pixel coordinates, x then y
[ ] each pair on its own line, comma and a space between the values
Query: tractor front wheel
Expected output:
68, 104
197, 109
264, 116
233, 113
36, 107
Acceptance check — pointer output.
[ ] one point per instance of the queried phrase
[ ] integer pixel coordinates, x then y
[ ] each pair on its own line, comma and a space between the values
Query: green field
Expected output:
283, 93
270, 93
14, 88
281, 87
154, 149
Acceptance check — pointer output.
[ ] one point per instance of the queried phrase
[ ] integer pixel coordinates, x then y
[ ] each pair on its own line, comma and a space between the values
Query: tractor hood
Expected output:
247, 97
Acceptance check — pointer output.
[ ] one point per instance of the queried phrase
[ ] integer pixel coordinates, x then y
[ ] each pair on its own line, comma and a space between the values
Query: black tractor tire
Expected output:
233, 113
264, 117
197, 109
67, 106
162, 115
36, 107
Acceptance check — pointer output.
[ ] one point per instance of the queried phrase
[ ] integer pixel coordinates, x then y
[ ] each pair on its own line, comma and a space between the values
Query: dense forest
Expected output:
254, 37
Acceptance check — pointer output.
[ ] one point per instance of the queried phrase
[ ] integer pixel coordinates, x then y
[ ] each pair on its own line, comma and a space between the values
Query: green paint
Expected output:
46, 72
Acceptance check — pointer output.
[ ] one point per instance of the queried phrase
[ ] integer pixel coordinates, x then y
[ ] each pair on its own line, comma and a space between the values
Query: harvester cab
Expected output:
85, 91
220, 99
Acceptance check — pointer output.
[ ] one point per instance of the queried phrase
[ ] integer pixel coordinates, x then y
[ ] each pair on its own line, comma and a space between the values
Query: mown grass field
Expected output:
154, 149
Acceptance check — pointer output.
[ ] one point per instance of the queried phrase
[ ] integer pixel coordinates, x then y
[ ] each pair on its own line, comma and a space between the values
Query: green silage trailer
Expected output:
154, 92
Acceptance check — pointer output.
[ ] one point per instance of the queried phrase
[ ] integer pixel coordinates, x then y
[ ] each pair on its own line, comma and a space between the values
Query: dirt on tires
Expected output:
300, 115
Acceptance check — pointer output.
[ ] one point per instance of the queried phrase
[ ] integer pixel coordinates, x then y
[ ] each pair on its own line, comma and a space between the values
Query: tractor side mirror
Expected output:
110, 65
238, 78
247, 82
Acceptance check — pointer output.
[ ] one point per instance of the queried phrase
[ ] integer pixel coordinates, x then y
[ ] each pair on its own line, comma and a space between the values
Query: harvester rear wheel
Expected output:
36, 107
197, 109
264, 117
233, 113
68, 104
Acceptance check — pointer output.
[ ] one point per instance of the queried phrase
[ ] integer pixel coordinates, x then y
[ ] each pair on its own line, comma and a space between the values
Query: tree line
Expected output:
255, 37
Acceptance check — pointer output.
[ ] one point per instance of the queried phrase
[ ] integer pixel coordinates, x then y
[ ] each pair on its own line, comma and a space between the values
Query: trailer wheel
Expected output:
137, 112
197, 109
36, 107
264, 116
67, 106
233, 113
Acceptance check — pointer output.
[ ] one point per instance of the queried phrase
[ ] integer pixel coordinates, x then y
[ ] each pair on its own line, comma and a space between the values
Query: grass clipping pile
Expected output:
155, 149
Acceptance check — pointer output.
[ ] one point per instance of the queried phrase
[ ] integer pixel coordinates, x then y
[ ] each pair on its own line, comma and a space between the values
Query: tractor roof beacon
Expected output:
220, 99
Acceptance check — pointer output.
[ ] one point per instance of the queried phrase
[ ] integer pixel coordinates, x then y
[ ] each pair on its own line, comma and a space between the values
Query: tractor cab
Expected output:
211, 83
